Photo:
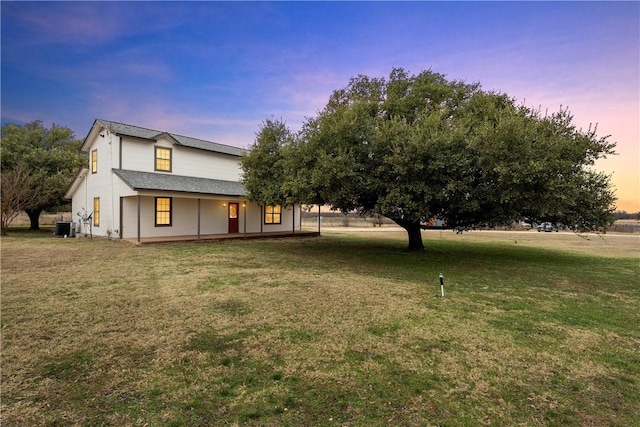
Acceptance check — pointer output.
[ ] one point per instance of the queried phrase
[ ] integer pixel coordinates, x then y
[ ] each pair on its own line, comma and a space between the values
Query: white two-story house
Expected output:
147, 184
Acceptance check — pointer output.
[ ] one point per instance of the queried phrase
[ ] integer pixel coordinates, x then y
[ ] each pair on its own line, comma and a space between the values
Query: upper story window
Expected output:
94, 161
272, 214
163, 159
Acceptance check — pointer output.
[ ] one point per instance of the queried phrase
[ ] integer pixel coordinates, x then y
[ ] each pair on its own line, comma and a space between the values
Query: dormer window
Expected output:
163, 159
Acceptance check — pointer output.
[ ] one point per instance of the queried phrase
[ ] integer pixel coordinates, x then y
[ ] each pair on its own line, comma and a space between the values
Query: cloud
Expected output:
154, 70
82, 24
303, 93
73, 23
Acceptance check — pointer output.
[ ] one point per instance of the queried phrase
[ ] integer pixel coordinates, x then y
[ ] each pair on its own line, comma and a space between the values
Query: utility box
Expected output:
63, 228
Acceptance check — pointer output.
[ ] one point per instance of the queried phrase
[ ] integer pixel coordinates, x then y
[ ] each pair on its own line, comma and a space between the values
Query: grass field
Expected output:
348, 329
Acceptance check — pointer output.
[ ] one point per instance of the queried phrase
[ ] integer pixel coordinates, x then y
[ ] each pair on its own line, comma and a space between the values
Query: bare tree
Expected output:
16, 195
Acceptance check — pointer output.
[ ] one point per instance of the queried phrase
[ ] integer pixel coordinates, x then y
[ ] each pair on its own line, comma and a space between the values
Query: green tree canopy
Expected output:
264, 164
52, 158
414, 147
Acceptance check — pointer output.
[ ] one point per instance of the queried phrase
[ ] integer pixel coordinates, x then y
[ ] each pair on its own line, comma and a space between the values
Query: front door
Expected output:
233, 217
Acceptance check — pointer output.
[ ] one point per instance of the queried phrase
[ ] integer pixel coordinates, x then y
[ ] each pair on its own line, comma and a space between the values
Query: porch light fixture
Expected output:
244, 205
224, 204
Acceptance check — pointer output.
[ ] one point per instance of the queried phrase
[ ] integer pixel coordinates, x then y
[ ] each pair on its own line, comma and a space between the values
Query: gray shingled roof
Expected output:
183, 184
139, 132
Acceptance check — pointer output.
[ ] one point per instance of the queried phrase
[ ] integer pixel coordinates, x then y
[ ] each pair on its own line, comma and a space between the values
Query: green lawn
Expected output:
344, 330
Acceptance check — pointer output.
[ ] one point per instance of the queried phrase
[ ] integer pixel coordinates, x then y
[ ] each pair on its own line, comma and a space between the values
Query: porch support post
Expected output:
199, 200
319, 219
244, 211
121, 216
293, 217
138, 218
261, 217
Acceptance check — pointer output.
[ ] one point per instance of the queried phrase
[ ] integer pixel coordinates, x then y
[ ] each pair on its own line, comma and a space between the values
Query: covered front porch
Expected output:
200, 217
160, 207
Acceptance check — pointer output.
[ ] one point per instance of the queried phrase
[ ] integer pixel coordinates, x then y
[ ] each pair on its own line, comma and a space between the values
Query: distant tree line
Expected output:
627, 215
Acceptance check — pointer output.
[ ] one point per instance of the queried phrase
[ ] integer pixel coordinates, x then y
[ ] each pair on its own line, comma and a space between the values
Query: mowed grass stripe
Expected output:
340, 330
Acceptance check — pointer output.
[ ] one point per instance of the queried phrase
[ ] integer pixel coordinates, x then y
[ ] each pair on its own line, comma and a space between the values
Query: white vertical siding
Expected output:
254, 217
100, 185
79, 200
286, 219
184, 217
130, 218
205, 164
139, 155
213, 217
147, 221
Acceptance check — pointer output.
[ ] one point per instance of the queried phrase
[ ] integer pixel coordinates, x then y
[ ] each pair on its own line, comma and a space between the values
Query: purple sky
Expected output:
216, 70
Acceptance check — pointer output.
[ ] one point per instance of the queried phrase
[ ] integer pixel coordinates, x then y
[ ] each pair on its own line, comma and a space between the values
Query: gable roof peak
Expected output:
152, 134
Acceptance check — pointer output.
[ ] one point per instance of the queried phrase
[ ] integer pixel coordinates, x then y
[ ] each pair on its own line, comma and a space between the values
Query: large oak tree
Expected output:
50, 155
414, 147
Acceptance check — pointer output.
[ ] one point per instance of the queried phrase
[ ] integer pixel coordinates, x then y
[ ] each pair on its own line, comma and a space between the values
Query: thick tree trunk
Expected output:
413, 231
34, 218
415, 237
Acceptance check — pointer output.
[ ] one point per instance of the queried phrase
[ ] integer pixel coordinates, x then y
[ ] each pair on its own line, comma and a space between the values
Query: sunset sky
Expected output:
216, 70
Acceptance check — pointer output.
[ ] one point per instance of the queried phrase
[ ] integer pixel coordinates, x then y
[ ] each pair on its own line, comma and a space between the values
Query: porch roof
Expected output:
183, 184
